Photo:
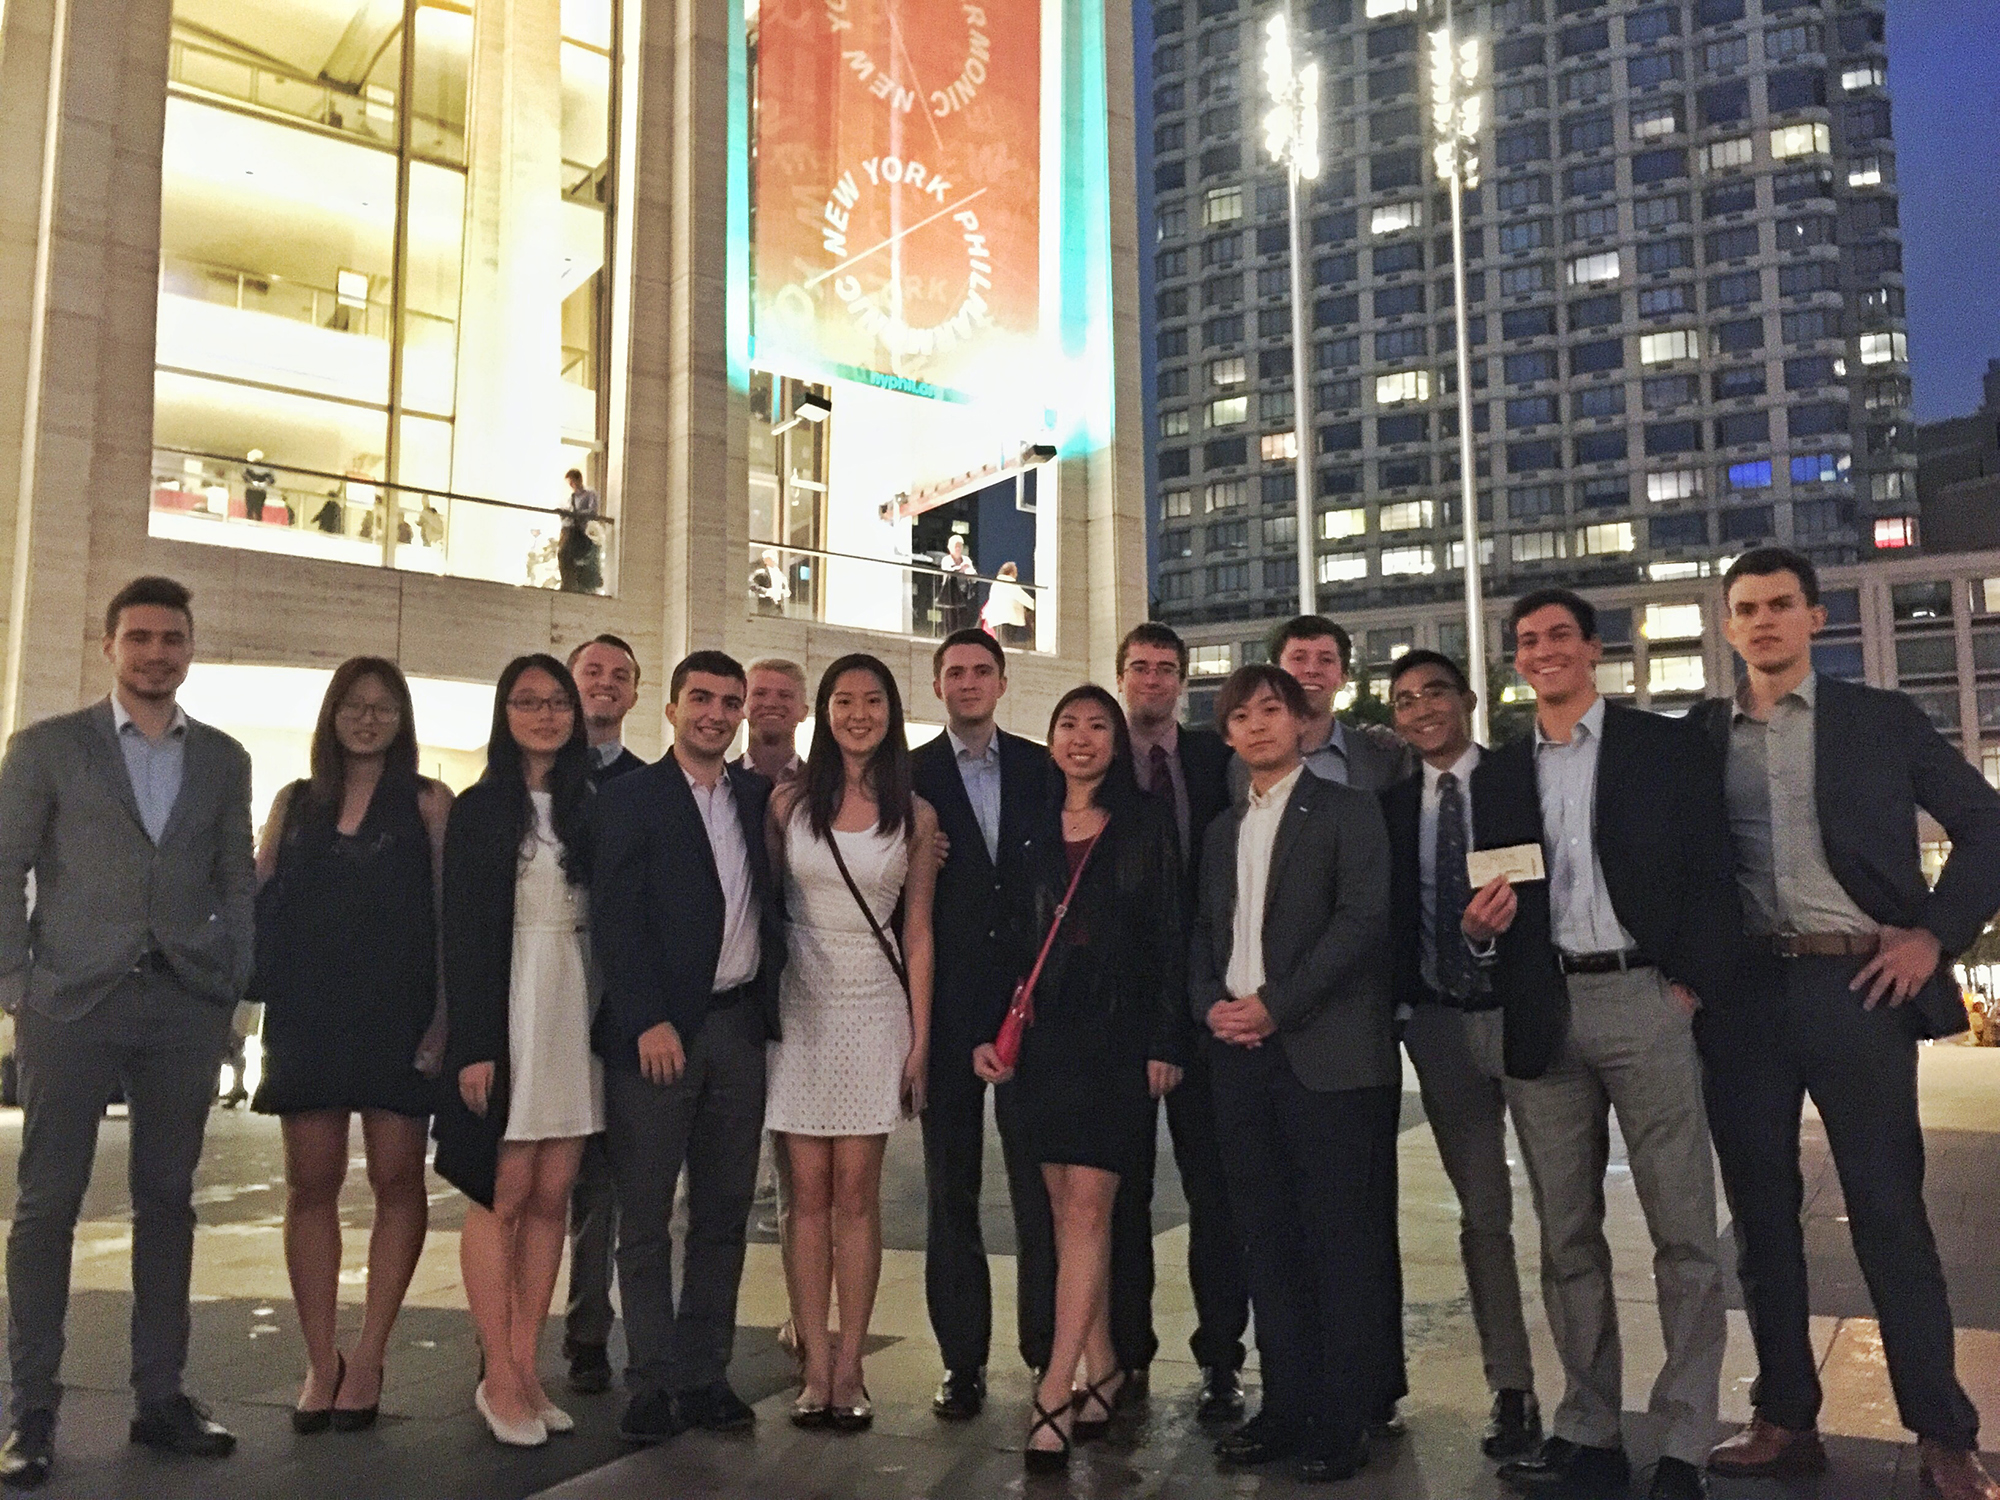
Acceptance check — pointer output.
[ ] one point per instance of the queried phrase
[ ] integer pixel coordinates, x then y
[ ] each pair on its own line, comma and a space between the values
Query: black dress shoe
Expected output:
28, 1452
1570, 1471
1330, 1465
649, 1418
181, 1424
960, 1396
1221, 1396
1387, 1424
1261, 1440
1515, 1427
714, 1408
589, 1370
1677, 1479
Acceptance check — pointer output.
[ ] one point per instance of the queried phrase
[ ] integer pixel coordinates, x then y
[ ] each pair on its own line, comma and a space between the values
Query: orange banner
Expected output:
898, 191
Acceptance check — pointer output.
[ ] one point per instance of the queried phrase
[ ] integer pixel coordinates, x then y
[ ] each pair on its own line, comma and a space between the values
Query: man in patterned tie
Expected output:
1436, 982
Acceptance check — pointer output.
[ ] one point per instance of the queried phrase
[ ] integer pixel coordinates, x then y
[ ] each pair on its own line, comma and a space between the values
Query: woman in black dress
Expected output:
1108, 1040
347, 971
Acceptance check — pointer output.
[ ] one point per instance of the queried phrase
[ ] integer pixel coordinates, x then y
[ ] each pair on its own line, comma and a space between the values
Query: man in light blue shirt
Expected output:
1580, 902
978, 757
155, 761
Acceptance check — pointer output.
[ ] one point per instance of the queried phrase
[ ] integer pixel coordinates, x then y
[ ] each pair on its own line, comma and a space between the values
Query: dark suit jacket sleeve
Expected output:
27, 806
1204, 973
476, 966
1356, 934
1949, 789
1709, 936
623, 832
236, 867
1163, 884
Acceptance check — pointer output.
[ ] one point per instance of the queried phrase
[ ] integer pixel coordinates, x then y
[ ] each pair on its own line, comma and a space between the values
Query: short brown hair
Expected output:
167, 593
1246, 682
1153, 633
616, 643
1311, 628
972, 635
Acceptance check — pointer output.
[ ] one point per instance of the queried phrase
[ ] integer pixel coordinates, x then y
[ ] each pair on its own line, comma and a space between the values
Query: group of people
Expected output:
595, 976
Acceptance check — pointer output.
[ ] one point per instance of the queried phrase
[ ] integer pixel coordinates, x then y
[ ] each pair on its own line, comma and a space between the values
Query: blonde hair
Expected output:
784, 667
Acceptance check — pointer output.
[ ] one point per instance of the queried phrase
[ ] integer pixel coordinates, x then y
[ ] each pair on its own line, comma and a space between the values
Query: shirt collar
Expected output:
1279, 794
743, 762
989, 756
1461, 768
603, 755
721, 782
1589, 727
1806, 692
1168, 739
120, 720
1336, 741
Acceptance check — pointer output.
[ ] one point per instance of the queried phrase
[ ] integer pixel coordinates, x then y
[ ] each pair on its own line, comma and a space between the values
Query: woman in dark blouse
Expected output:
347, 972
1108, 1040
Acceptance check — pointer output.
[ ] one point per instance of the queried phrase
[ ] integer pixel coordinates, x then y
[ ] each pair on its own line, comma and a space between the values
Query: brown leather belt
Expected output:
1611, 961
1824, 944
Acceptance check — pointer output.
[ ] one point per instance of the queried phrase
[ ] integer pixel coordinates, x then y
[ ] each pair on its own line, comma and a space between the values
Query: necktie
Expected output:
1159, 775
1457, 975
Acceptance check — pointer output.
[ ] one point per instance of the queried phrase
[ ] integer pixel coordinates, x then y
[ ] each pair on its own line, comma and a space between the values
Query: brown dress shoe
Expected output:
1954, 1474
1766, 1450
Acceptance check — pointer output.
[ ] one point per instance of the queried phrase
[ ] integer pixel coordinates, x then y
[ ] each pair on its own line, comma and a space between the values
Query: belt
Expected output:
723, 999
1610, 961
1823, 944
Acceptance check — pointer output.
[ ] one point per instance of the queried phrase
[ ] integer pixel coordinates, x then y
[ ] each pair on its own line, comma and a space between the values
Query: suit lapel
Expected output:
960, 802
678, 791
1298, 807
111, 761
197, 772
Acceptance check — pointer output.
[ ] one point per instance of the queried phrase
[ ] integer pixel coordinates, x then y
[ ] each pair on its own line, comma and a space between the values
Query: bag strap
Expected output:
888, 948
1062, 910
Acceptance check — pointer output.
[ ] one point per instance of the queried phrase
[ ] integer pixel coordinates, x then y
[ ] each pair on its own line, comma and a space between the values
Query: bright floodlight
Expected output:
1291, 125
1456, 108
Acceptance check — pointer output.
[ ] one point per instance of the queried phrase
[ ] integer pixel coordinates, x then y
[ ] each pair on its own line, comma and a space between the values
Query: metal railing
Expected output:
281, 297
912, 597
223, 500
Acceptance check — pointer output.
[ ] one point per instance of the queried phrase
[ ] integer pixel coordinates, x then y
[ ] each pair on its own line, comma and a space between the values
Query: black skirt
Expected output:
1081, 1085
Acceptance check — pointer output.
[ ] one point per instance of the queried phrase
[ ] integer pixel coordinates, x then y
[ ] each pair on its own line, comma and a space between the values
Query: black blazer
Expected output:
1326, 929
624, 764
1205, 768
982, 915
1402, 811
656, 908
1662, 836
1867, 805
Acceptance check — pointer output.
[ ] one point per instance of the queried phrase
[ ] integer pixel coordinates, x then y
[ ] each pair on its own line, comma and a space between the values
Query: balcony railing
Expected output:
225, 501
915, 597
282, 297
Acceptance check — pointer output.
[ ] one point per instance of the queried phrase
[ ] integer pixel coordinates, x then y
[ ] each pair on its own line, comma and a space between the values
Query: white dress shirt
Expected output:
1255, 842
1583, 918
740, 958
1427, 845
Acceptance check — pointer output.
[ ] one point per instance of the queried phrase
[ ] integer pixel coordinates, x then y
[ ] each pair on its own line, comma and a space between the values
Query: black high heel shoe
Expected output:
1084, 1429
1047, 1460
306, 1422
357, 1418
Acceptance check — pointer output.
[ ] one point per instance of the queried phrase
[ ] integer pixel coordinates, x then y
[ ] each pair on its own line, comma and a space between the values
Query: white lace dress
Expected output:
557, 1083
846, 1021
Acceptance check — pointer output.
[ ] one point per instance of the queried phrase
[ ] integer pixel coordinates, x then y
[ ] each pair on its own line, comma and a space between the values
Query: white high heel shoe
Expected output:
529, 1434
556, 1420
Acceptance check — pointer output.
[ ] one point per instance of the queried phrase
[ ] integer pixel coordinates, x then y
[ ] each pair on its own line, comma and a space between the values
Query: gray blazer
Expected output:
1326, 935
104, 894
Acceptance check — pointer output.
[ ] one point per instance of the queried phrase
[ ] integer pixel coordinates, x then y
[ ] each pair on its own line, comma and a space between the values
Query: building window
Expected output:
1274, 406
1665, 392
1603, 540
1521, 281
1820, 468
1743, 380
1223, 205
1867, 74
1739, 243
1406, 515
1882, 348
1600, 447
1530, 502
1596, 356
1599, 401
1175, 503
1278, 447
1229, 411
1673, 484
1400, 343
1658, 348
1390, 218
1227, 494
1336, 525
1782, 42
1209, 661
1680, 672
1342, 567
1405, 385
1658, 213
1646, 26
1229, 578
1750, 523
1588, 270
1521, 192
1665, 301
1408, 560
1176, 588
1591, 133
1531, 411
1750, 476
1892, 532
1226, 371
1689, 529
1722, 156
1536, 546
1173, 424
1656, 257
1653, 69
1653, 121
1866, 172
1529, 234
1593, 223
1227, 536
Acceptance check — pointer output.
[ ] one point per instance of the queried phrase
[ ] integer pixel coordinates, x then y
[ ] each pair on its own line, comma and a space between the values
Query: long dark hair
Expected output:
329, 756
569, 779
1120, 784
888, 771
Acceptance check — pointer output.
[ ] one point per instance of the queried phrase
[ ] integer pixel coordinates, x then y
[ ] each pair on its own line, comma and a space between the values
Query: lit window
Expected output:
1866, 172
1389, 7
1406, 515
1536, 546
1223, 206
1656, 120
1177, 503
1596, 541
1335, 524
1614, 677
1405, 560
1672, 622
1855, 76
1675, 572
1752, 476
1800, 140
1454, 555
1675, 484
1679, 673
1278, 447
1343, 567
1406, 385
1227, 371
1227, 494
1895, 531
1736, 152
1173, 424
1209, 661
1881, 348
1819, 468
1391, 217
1228, 411
1586, 270
1658, 348
1887, 486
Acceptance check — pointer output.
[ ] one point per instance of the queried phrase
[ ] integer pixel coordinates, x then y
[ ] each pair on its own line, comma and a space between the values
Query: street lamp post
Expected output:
1455, 119
1291, 135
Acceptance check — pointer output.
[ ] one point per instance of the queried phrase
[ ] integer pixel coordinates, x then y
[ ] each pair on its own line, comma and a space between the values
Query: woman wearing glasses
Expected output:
347, 973
523, 1088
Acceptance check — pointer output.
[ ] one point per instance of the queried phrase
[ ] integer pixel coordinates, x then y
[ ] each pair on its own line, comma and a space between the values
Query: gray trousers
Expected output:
1631, 1050
710, 1120
165, 1046
1467, 1110
593, 1239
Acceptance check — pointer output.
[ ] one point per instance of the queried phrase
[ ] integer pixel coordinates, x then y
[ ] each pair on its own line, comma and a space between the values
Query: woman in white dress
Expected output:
519, 1001
854, 1006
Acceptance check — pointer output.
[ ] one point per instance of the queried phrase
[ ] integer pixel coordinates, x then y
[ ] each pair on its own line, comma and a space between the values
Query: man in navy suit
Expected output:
688, 936
986, 786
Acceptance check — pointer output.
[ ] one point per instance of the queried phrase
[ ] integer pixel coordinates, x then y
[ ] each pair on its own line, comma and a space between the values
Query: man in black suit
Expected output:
1849, 965
1286, 972
1436, 984
1599, 969
607, 676
986, 786
689, 939
1188, 768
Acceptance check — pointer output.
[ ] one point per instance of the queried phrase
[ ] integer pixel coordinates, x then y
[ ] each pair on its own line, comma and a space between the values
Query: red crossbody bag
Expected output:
1021, 1009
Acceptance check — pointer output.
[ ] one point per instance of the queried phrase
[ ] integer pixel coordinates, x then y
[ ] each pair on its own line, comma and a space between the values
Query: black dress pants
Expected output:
1309, 1176
1799, 1030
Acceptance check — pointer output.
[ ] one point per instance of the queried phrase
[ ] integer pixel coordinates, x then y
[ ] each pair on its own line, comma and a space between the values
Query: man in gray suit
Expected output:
1316, 651
134, 822
1288, 974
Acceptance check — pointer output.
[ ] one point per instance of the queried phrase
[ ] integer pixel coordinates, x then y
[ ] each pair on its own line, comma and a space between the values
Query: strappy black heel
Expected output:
1088, 1430
1047, 1460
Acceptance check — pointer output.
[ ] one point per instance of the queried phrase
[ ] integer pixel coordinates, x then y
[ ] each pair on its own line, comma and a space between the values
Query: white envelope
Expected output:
1517, 862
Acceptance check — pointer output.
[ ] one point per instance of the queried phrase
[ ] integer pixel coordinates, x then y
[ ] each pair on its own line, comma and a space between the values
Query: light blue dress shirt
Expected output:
1566, 779
1329, 761
981, 774
155, 766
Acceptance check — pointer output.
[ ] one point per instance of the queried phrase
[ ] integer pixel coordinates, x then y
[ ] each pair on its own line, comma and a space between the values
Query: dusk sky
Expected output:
1944, 77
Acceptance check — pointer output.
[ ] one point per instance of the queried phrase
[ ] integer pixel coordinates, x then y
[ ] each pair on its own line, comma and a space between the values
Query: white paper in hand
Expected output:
1515, 863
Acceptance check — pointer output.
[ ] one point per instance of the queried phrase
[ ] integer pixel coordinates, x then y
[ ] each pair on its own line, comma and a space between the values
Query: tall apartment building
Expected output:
1685, 300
